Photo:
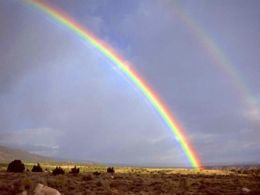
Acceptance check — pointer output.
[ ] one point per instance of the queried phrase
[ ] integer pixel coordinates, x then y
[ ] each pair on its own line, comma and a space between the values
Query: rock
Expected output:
245, 190
41, 189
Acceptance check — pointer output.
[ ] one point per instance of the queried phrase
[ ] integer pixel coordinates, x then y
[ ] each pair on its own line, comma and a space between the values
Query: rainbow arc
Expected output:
126, 68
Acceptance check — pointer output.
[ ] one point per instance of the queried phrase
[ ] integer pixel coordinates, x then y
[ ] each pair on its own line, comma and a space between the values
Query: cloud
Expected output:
252, 111
43, 141
214, 147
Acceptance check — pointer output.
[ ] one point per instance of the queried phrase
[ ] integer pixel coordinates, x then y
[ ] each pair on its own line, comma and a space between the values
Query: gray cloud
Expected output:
51, 78
42, 140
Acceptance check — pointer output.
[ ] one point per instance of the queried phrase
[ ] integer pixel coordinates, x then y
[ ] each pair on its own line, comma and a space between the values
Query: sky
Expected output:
61, 97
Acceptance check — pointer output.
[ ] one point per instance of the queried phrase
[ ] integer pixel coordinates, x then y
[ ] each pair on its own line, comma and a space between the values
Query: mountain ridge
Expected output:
8, 154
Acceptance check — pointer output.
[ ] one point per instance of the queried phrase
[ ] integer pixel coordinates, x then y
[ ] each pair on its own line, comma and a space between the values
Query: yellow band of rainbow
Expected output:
126, 69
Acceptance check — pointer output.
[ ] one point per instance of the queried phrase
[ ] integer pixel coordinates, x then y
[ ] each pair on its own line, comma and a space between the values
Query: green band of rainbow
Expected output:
125, 67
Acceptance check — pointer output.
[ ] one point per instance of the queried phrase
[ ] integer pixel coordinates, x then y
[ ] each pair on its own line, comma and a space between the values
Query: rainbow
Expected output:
126, 68
218, 56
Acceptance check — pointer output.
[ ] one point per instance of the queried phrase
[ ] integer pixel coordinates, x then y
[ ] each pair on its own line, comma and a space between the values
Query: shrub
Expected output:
74, 170
110, 170
96, 173
16, 166
37, 168
58, 171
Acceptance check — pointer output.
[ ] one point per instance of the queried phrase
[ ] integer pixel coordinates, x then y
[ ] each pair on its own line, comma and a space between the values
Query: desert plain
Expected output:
94, 179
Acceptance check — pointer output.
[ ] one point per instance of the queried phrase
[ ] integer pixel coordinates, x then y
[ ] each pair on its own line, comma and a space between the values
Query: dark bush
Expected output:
74, 170
96, 173
110, 170
58, 171
37, 168
16, 166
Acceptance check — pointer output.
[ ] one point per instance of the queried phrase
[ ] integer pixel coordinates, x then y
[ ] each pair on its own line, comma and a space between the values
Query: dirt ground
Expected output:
139, 181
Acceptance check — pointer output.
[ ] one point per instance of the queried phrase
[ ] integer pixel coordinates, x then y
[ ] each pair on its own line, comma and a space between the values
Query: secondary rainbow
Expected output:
218, 56
127, 70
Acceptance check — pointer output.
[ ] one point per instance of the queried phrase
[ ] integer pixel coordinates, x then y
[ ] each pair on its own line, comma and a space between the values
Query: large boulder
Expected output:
41, 189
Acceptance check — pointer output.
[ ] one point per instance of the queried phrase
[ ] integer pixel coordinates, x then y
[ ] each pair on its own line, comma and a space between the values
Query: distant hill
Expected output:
8, 154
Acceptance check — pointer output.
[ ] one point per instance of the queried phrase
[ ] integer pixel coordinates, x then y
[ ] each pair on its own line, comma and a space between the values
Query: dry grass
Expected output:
134, 181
